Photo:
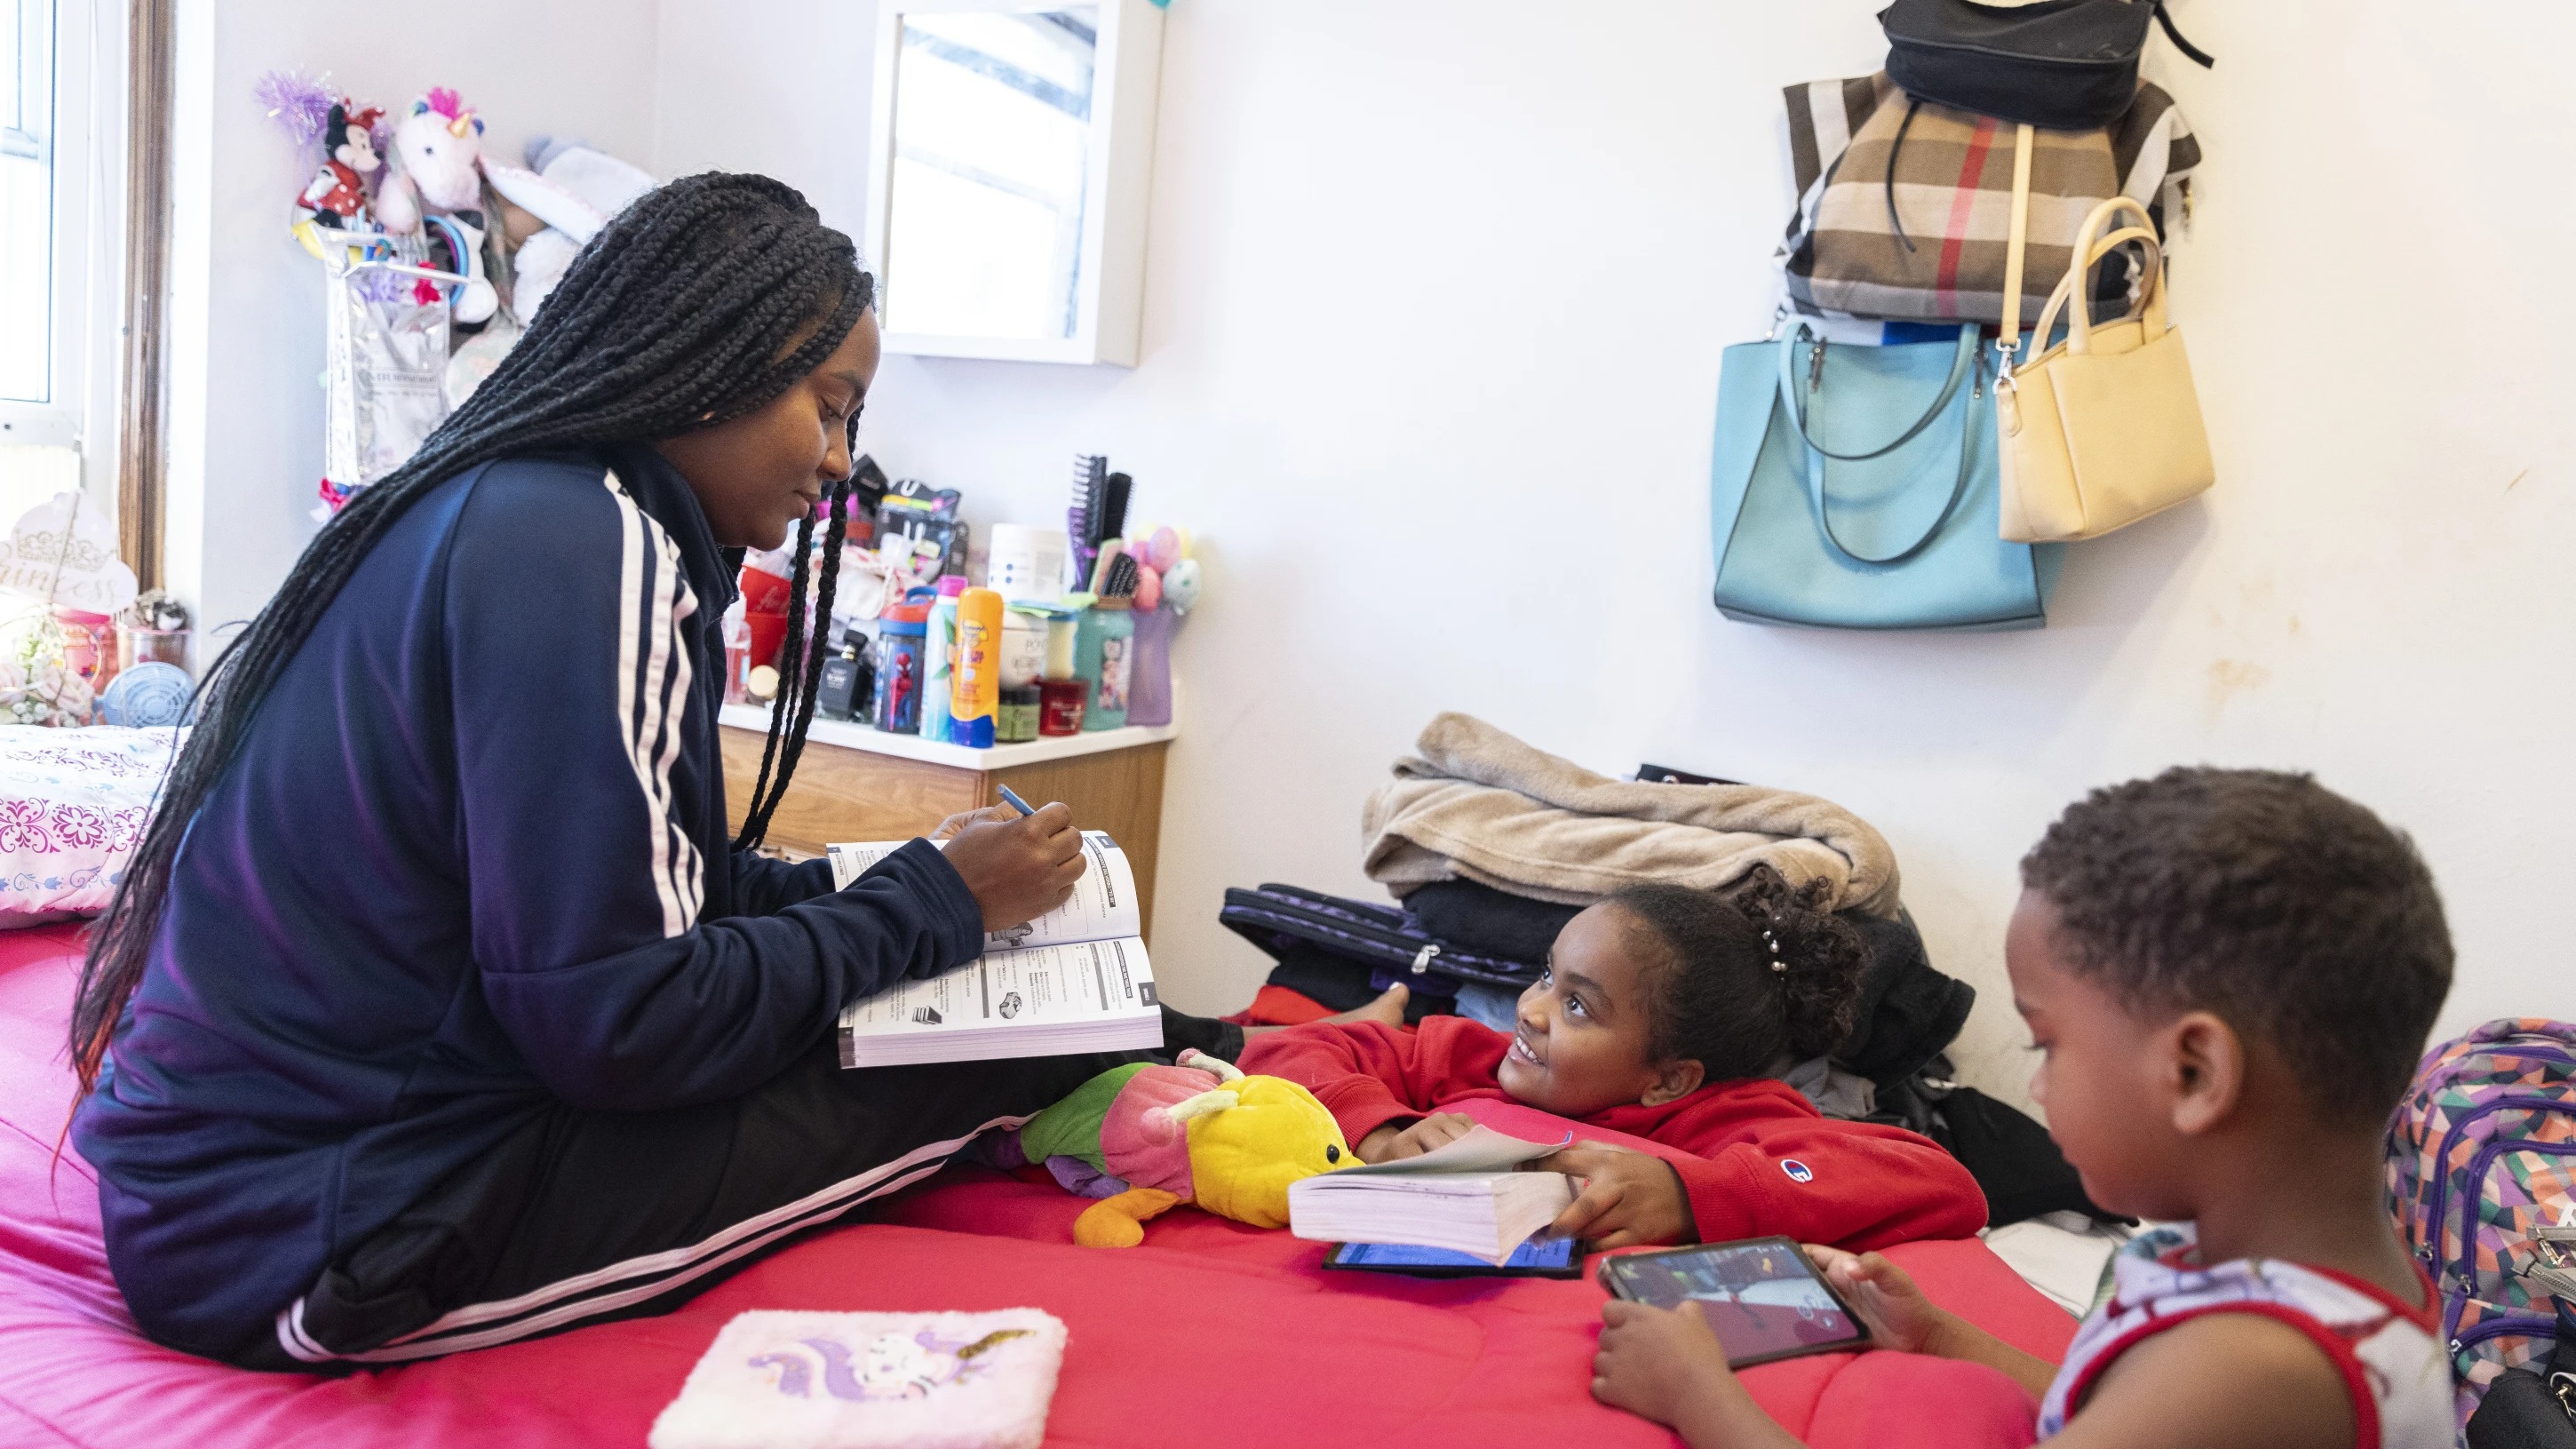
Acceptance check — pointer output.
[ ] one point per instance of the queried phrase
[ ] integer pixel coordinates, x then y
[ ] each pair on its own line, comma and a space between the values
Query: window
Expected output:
45, 228
27, 201
991, 169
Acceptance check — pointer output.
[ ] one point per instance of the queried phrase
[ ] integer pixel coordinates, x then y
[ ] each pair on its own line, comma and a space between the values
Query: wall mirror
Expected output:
1010, 164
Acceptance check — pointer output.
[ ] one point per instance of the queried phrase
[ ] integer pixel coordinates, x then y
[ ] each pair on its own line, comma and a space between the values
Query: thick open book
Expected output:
1463, 1196
1073, 980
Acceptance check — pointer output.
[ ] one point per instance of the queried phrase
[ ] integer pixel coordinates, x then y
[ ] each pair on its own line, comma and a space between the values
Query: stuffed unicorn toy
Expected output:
437, 167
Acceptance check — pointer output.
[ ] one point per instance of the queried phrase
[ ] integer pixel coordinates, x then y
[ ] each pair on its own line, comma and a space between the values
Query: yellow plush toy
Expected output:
1150, 1137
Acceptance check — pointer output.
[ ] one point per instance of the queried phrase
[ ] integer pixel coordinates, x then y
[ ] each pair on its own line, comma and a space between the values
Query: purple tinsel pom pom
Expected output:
301, 105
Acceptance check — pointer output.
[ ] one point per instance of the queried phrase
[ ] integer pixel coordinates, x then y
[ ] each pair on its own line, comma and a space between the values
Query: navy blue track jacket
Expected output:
471, 859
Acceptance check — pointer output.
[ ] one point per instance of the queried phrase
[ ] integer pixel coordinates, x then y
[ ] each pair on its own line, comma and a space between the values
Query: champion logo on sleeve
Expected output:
1798, 1171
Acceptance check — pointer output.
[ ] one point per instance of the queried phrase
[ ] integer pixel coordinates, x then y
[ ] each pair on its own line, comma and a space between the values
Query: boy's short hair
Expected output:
2295, 914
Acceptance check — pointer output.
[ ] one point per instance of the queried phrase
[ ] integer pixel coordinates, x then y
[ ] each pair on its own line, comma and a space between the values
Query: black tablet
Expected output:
1763, 1296
1537, 1258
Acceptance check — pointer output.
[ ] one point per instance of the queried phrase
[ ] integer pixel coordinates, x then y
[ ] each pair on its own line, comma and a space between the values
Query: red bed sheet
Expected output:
1210, 1332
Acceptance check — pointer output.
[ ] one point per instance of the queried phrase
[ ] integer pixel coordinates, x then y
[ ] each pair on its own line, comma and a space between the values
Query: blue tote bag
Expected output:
1855, 487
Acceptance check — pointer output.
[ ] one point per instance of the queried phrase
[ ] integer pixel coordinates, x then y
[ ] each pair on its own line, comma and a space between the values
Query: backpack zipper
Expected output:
2437, 1207
1376, 936
2530, 1325
2012, 55
2479, 1167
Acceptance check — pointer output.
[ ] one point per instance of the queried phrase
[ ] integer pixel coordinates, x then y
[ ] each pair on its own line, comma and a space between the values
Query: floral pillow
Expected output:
72, 807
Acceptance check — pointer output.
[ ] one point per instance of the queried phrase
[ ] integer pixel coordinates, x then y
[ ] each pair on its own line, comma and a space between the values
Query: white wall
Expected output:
1436, 296
247, 346
1435, 301
773, 86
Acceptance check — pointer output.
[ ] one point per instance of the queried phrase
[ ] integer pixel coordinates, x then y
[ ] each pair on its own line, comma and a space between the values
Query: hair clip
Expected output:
1778, 966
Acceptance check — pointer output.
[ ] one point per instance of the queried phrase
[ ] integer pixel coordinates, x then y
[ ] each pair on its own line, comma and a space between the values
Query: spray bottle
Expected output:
939, 658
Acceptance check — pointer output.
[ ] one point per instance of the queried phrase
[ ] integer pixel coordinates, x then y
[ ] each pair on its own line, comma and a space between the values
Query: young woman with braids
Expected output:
1666, 1013
437, 1009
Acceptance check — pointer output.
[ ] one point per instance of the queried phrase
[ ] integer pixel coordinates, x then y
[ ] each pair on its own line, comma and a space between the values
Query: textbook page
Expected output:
1103, 906
1082, 996
1482, 1149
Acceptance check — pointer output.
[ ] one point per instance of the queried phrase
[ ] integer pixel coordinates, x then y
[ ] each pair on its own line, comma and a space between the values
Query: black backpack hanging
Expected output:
2533, 1407
2067, 65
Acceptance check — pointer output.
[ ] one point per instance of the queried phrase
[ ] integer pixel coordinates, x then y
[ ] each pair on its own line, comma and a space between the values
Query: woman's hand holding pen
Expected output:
1019, 867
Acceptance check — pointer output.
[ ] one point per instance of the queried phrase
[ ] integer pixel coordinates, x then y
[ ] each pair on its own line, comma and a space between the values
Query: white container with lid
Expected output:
1025, 563
1024, 648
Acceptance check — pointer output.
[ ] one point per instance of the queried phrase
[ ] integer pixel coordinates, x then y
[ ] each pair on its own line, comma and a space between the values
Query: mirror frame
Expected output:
1127, 78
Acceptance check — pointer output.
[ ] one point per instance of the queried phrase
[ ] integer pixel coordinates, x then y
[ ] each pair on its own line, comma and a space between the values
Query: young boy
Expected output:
2229, 975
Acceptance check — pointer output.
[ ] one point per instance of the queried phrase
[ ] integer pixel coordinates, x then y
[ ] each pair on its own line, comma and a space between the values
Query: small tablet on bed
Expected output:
1763, 1296
1536, 1258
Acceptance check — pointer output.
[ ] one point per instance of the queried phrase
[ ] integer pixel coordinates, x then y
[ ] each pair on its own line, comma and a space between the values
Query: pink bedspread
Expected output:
1209, 1333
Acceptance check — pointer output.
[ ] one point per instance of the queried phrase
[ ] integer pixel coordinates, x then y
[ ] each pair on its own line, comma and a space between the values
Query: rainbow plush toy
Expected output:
1144, 1138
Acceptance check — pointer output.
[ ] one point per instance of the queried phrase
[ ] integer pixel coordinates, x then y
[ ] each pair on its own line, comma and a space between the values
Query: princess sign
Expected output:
63, 553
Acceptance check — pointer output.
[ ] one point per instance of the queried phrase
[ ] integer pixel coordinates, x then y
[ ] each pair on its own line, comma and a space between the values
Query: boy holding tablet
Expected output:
2229, 975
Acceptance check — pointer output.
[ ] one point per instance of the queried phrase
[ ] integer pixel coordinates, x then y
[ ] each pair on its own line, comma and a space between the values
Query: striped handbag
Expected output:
2481, 1154
1905, 207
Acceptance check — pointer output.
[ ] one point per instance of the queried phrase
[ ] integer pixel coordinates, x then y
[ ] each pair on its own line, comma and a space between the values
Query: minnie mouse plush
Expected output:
337, 195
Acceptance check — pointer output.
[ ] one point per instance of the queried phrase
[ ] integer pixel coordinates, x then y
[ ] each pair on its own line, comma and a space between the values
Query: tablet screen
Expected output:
1535, 1254
1762, 1297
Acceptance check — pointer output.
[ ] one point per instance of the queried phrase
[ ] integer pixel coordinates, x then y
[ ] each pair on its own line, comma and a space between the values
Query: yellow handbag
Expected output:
2104, 428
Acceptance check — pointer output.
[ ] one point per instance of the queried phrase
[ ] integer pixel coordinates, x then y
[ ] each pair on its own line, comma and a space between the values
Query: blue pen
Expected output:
1016, 802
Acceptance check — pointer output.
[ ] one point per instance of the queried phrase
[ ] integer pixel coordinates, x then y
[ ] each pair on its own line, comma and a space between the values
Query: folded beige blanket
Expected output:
1480, 805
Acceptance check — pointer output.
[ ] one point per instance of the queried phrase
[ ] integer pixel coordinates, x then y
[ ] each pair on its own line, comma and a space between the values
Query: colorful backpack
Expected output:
2482, 1152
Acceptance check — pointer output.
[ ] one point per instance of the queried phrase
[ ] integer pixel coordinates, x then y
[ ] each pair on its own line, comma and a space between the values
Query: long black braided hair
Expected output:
702, 302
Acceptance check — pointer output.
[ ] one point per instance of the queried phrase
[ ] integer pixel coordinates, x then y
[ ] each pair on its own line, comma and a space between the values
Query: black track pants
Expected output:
583, 1216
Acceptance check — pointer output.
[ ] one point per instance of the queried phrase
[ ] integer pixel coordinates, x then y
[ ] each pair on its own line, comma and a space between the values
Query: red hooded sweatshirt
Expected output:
1756, 1158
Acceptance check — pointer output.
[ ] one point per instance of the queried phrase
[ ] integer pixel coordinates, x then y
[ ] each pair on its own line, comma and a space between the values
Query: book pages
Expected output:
1103, 904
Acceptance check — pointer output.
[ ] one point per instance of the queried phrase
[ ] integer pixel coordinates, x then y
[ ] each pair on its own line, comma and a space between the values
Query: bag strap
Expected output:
1821, 506
1895, 222
2008, 341
2073, 291
2173, 33
1794, 400
2150, 308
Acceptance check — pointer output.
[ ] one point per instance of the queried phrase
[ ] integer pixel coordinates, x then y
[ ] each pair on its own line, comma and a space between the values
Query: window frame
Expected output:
77, 226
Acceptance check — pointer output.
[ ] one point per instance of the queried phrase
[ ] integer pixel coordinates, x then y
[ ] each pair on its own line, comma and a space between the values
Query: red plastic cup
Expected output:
763, 592
768, 633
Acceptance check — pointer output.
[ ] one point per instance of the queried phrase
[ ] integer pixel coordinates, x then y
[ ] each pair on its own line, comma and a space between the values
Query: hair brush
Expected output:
1090, 477
1110, 518
1121, 578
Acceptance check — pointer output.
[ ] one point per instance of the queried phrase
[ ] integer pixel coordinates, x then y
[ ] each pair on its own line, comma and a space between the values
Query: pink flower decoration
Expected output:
79, 826
125, 828
22, 826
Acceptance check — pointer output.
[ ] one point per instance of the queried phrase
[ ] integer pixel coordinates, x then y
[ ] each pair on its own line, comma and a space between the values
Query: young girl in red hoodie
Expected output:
1666, 1013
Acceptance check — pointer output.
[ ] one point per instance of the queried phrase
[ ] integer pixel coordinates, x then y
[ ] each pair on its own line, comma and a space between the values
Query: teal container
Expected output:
1105, 657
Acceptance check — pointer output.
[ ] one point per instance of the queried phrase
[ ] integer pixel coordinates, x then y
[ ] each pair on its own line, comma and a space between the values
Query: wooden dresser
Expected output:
855, 782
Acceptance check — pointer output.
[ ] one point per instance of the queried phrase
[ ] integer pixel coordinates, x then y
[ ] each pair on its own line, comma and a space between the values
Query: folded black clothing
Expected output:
1389, 940
2014, 1159
1338, 983
1909, 1013
1476, 917
2009, 1153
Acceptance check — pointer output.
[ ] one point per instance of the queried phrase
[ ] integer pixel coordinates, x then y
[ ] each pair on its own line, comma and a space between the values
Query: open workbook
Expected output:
1073, 980
1463, 1196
